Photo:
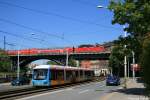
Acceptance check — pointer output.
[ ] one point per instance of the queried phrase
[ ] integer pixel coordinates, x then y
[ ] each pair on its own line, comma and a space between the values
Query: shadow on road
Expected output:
131, 91
139, 80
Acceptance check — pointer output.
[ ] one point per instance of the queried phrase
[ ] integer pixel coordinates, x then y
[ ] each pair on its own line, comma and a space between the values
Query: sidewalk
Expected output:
134, 91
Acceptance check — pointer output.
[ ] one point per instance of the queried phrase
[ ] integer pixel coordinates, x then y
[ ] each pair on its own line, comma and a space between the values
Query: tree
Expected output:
132, 44
116, 59
5, 63
53, 63
72, 62
133, 13
145, 63
118, 52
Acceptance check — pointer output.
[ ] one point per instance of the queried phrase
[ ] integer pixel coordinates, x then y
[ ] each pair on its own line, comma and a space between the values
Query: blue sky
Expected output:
55, 23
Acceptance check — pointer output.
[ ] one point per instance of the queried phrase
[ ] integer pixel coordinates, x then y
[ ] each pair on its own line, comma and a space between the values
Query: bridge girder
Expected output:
26, 59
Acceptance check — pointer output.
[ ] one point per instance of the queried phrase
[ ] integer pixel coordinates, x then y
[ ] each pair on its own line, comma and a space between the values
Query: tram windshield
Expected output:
40, 74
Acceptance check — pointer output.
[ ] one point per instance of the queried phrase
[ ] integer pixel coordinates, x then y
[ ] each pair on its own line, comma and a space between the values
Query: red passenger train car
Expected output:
34, 51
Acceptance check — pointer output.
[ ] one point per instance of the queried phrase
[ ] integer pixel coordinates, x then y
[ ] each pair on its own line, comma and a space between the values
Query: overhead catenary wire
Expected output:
10, 44
15, 35
22, 37
29, 28
33, 29
57, 15
32, 39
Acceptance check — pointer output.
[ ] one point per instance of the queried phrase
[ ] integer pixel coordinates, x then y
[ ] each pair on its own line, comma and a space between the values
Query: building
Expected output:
100, 67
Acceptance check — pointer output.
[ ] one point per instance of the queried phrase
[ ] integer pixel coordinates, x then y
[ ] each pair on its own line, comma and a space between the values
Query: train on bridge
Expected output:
34, 51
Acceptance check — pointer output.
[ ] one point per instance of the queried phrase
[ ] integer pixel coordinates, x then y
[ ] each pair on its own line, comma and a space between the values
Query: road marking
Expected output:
107, 96
84, 91
102, 85
26, 98
91, 83
69, 89
120, 88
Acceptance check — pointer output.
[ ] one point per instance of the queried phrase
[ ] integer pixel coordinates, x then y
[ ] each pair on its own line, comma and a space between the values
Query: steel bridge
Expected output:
58, 57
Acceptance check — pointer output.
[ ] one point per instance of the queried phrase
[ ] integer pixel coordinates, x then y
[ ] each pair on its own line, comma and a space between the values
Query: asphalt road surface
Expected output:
90, 91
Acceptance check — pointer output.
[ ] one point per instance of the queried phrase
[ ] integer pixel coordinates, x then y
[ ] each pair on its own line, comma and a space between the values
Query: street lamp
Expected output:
102, 7
67, 57
18, 61
125, 57
125, 61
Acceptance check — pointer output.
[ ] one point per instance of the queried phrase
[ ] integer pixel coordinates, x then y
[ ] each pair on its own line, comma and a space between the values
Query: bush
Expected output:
5, 63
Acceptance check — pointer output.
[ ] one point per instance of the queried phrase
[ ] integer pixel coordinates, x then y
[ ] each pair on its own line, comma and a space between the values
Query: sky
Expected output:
55, 23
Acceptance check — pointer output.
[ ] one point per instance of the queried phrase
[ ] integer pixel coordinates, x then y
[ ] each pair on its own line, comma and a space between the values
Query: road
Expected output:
90, 91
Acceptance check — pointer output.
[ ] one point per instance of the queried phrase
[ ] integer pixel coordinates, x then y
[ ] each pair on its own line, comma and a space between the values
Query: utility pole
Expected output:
125, 63
128, 68
18, 65
67, 56
133, 61
4, 43
125, 71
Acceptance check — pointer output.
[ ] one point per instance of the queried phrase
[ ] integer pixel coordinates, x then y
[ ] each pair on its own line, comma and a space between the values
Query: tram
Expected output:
50, 75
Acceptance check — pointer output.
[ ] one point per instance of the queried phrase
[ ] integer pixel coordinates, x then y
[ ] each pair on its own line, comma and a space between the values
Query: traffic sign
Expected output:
135, 67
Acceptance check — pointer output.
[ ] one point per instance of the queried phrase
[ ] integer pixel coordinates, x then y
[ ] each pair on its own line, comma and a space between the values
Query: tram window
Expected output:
92, 73
60, 74
87, 74
40, 74
53, 74
81, 73
77, 74
57, 74
68, 75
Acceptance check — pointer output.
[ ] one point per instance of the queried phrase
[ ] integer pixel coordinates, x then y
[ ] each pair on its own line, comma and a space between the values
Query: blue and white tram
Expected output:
49, 75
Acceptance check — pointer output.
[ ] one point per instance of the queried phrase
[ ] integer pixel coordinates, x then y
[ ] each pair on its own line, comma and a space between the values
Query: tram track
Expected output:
15, 94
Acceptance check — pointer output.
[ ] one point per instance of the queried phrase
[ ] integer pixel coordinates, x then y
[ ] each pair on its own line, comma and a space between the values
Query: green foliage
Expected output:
5, 63
118, 52
24, 69
53, 63
132, 44
134, 13
145, 64
116, 59
72, 62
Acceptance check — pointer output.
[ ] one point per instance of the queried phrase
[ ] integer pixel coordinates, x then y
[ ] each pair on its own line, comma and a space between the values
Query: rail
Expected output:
16, 94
